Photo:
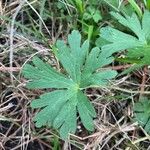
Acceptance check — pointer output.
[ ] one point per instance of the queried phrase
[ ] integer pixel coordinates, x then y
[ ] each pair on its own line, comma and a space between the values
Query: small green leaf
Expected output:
97, 16
92, 13
132, 68
142, 113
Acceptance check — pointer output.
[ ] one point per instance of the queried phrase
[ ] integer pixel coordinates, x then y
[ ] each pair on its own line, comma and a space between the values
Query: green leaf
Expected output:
118, 40
97, 16
136, 7
79, 5
73, 57
86, 111
133, 23
142, 113
50, 106
147, 3
101, 78
137, 44
92, 13
44, 76
141, 54
132, 68
59, 108
95, 60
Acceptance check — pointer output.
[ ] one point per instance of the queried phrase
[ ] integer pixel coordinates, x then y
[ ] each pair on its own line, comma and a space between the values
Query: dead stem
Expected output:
144, 78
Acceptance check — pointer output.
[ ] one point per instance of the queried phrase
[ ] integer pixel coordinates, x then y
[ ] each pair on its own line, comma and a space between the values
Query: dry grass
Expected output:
114, 129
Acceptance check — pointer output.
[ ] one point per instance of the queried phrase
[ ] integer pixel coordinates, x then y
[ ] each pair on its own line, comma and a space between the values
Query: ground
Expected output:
29, 28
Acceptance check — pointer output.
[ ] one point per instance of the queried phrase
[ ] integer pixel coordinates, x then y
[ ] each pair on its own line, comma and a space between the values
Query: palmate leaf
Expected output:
59, 108
142, 113
137, 44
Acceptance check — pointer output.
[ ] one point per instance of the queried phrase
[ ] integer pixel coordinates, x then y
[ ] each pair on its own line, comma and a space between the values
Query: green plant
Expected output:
147, 4
137, 44
142, 113
123, 7
136, 7
60, 107
79, 5
84, 15
114, 4
92, 13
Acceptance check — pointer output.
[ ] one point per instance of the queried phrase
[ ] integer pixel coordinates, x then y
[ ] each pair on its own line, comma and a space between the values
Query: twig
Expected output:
38, 16
143, 81
128, 91
9, 69
1, 8
11, 37
120, 67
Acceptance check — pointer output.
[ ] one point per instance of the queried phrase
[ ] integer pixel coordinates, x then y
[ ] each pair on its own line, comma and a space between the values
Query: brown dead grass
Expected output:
113, 128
